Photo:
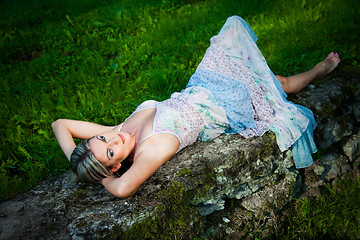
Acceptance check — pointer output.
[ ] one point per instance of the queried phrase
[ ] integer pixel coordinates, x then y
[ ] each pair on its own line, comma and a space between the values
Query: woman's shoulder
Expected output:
149, 104
159, 146
145, 105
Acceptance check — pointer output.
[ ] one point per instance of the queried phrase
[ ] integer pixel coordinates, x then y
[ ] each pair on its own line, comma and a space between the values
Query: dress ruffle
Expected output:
234, 69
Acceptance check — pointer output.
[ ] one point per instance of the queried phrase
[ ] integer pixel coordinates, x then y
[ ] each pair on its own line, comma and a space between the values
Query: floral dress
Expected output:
234, 91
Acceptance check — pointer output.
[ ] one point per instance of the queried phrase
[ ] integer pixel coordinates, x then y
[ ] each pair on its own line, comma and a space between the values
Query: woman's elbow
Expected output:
122, 195
125, 192
56, 123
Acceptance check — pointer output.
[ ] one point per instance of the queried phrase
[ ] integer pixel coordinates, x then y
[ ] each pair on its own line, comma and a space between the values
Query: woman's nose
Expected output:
115, 140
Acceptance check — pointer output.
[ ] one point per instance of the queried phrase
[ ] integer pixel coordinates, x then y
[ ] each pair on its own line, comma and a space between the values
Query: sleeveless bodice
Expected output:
189, 115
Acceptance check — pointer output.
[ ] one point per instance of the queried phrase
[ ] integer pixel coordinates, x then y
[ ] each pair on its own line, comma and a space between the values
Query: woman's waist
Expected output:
199, 99
179, 109
200, 102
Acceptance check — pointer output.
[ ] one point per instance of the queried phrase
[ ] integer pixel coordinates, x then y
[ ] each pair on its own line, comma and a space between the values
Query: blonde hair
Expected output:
85, 165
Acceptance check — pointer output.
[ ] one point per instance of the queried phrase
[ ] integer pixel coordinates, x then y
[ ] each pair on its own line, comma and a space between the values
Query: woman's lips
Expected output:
122, 138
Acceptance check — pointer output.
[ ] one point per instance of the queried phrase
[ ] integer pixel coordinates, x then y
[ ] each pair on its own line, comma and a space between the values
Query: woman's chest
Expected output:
140, 124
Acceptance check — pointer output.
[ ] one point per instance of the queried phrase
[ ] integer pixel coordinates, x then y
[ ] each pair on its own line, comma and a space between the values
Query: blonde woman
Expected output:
232, 91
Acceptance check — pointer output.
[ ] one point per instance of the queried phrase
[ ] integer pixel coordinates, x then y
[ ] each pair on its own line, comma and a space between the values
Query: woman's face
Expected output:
111, 148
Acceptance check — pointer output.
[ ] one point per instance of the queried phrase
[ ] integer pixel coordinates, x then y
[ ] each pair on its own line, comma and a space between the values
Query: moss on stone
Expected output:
269, 146
265, 149
174, 218
327, 110
184, 172
208, 175
208, 181
350, 88
79, 194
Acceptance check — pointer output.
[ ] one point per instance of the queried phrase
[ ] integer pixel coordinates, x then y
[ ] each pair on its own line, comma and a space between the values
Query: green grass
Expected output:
97, 60
336, 215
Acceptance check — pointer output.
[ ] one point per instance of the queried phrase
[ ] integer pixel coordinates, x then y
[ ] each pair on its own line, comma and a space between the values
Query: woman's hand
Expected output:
65, 130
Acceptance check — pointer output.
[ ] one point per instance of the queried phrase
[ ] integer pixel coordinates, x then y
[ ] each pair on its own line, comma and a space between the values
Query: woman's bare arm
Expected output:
144, 166
65, 130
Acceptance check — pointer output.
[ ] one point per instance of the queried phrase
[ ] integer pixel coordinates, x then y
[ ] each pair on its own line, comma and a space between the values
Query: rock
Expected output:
228, 188
356, 107
335, 107
351, 147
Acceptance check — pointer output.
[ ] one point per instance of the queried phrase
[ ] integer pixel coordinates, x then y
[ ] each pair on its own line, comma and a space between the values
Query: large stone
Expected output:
335, 106
351, 147
228, 188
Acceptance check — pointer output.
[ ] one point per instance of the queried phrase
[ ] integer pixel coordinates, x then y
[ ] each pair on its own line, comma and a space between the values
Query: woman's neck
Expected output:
139, 125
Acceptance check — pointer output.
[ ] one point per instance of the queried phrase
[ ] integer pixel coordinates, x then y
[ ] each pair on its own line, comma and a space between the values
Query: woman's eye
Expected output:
102, 138
111, 153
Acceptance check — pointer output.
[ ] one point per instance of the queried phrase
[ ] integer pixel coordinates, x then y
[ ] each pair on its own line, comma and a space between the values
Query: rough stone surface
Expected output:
229, 188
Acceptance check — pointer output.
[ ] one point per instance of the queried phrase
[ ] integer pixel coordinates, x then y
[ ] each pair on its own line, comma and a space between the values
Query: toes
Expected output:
334, 57
337, 57
331, 55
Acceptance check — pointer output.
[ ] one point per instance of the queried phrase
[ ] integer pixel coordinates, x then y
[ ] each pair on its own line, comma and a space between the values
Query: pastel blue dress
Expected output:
234, 91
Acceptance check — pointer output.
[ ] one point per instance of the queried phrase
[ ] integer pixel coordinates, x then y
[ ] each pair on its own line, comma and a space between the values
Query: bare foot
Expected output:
296, 83
327, 65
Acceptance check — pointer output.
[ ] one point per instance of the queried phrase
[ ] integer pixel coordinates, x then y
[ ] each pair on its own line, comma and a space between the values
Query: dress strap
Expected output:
120, 126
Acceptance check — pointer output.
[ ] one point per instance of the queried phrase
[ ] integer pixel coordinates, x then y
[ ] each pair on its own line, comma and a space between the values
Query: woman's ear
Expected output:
116, 167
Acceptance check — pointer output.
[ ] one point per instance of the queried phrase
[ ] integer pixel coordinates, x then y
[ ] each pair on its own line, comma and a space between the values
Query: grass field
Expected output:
97, 60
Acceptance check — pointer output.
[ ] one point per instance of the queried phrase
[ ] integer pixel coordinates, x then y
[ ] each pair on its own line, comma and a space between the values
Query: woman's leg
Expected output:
296, 83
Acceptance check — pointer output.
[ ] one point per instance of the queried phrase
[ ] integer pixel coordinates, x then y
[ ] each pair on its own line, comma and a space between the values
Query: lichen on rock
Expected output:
230, 187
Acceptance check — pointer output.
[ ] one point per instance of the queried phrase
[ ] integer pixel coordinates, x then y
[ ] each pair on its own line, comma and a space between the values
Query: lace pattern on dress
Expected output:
191, 114
177, 117
236, 55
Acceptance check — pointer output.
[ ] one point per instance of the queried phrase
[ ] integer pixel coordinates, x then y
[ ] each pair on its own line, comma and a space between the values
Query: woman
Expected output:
232, 91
